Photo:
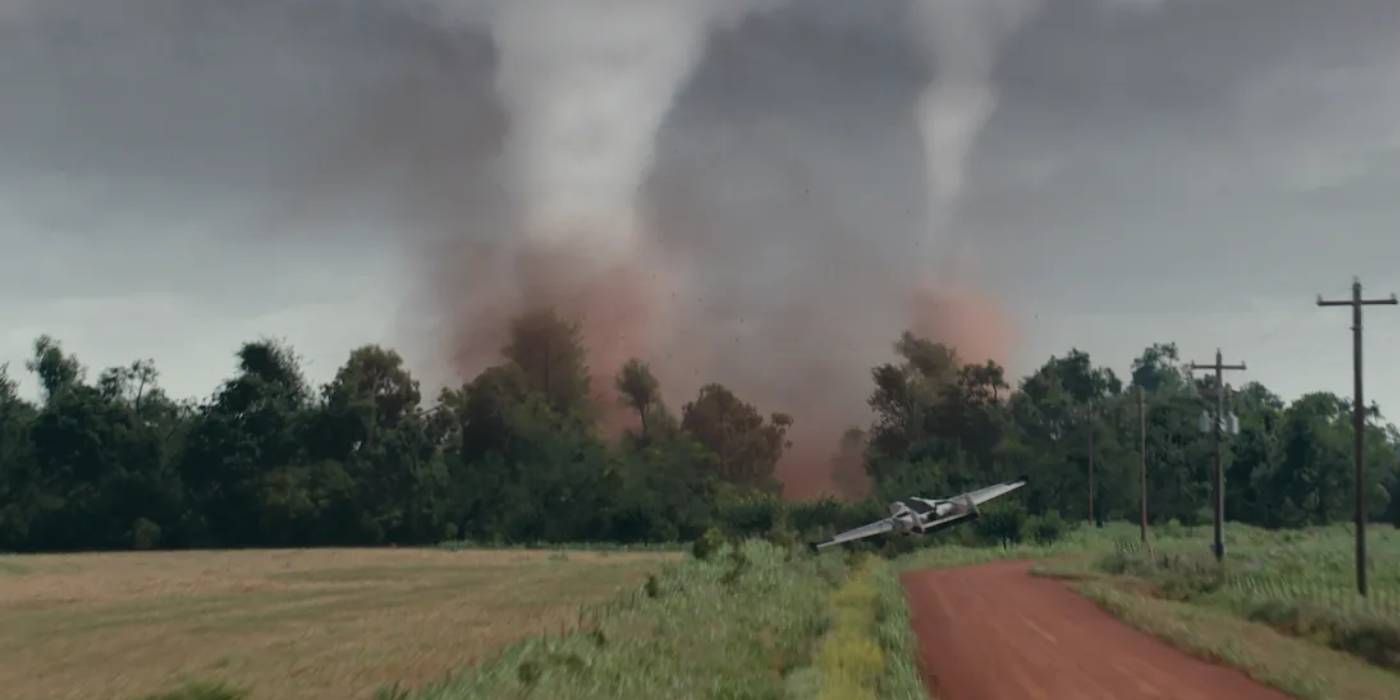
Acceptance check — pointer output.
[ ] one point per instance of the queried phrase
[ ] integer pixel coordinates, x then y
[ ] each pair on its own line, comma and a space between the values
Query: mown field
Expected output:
328, 623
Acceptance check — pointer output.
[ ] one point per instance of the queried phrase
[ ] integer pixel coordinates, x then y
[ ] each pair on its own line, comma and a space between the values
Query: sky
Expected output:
178, 177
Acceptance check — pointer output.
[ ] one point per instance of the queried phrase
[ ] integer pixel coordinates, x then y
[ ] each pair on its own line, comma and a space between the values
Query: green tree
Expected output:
549, 352
56, 371
747, 448
639, 390
100, 464
1057, 408
1159, 368
17, 474
255, 425
369, 424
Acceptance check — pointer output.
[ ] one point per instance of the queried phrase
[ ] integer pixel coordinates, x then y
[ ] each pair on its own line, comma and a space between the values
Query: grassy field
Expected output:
756, 620
753, 621
284, 623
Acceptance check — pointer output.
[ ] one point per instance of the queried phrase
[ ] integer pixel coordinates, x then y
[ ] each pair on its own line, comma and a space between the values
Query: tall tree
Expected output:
747, 448
908, 395
369, 423
17, 498
549, 351
56, 371
639, 390
255, 424
1159, 368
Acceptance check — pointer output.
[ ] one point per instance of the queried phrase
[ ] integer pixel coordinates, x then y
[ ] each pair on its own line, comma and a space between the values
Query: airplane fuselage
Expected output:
922, 515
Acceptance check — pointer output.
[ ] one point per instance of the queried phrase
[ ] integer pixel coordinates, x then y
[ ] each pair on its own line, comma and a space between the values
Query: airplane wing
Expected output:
878, 527
983, 495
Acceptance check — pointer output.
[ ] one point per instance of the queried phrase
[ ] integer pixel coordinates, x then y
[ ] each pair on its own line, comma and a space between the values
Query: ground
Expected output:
284, 623
1282, 609
995, 631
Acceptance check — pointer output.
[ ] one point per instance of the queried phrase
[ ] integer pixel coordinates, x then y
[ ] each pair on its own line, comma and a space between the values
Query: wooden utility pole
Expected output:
1358, 419
1219, 494
1142, 459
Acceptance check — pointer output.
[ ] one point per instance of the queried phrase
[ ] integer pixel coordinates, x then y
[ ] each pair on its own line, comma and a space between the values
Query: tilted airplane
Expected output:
924, 515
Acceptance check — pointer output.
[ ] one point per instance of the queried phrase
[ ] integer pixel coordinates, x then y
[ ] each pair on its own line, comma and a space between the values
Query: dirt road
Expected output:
996, 632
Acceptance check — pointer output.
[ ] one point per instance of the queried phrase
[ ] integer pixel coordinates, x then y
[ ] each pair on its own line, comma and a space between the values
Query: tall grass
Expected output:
901, 679
851, 660
870, 651
1298, 582
742, 623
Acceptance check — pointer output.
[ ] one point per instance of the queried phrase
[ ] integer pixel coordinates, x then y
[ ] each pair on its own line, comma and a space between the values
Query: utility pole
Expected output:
1359, 420
1142, 457
1219, 495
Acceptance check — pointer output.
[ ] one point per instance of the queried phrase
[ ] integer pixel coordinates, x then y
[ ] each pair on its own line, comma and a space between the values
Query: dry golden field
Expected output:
327, 623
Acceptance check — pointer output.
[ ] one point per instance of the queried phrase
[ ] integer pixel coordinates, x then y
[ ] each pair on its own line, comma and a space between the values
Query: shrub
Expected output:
1048, 528
1004, 525
753, 514
815, 519
707, 544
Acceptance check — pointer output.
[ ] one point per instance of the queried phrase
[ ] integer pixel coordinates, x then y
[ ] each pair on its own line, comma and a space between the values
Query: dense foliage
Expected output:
517, 454
942, 426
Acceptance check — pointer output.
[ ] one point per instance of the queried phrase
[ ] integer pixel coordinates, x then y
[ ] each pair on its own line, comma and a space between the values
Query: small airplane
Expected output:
924, 515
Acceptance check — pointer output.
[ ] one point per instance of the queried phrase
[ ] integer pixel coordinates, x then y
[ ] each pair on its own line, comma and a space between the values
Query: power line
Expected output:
1359, 420
1219, 497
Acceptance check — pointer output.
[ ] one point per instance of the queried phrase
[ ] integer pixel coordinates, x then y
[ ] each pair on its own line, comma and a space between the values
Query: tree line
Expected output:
514, 455
943, 426
517, 453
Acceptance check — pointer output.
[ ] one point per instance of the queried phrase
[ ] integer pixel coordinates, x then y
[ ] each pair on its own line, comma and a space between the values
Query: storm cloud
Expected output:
180, 176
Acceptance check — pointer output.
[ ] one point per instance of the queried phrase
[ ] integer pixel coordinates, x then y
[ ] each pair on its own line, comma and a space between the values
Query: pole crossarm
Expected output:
1239, 367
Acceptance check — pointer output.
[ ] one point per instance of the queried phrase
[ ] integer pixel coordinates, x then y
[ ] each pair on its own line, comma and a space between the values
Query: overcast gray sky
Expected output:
179, 176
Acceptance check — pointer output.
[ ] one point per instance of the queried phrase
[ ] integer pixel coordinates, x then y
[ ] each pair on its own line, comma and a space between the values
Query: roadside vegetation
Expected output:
1283, 608
749, 619
741, 623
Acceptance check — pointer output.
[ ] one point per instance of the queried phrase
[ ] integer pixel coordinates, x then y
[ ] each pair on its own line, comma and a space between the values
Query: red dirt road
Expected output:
996, 632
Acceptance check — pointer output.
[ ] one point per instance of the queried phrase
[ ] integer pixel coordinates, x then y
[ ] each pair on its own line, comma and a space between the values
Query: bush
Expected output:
1171, 530
1048, 528
707, 544
144, 534
1005, 525
815, 519
750, 515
